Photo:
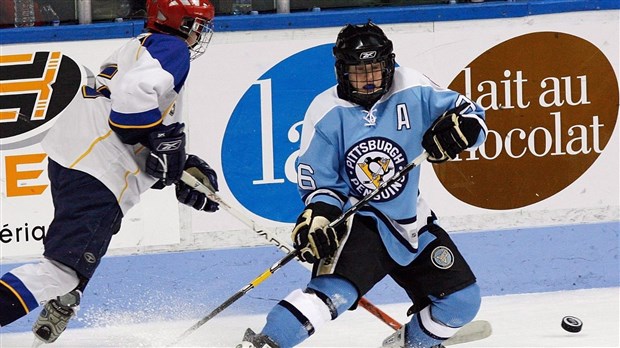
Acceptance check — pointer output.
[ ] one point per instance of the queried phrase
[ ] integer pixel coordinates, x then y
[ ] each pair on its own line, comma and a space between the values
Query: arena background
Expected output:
547, 218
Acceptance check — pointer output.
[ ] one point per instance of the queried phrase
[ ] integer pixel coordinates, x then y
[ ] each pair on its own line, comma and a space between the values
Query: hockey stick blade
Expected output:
473, 331
470, 332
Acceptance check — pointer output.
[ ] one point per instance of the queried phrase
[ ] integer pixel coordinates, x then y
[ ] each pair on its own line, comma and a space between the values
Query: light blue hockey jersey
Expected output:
346, 152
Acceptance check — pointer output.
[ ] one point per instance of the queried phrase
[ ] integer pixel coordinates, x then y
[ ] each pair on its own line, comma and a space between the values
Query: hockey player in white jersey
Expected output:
116, 140
355, 136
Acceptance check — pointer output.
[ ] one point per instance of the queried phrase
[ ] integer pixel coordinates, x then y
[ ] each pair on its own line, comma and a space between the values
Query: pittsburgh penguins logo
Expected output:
373, 161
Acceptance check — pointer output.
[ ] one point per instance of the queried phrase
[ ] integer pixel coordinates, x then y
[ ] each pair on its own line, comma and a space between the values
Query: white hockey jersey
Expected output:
346, 152
139, 87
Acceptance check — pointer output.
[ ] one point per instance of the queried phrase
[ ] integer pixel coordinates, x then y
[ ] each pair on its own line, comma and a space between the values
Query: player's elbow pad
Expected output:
131, 136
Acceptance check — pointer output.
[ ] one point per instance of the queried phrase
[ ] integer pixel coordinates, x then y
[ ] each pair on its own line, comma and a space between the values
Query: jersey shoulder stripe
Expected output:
172, 54
146, 119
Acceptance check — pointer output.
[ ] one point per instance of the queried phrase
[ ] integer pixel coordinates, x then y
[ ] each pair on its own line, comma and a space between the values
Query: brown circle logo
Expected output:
551, 102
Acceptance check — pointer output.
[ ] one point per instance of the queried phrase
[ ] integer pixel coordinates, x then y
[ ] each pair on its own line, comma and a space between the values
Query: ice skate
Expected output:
253, 340
55, 315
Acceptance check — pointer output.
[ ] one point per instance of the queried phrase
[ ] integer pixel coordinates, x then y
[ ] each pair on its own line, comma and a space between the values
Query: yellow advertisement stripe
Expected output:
9, 116
16, 58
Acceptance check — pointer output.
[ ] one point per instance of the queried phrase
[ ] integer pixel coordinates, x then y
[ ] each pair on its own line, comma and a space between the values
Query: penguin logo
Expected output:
373, 161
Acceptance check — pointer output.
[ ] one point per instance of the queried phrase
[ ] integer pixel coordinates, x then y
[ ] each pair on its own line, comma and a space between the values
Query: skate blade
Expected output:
37, 343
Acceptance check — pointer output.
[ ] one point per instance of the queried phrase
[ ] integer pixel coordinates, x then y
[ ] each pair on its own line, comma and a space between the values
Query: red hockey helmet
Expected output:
189, 19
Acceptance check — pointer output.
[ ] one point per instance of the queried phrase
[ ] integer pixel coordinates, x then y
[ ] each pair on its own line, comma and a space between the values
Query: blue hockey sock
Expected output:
297, 316
440, 320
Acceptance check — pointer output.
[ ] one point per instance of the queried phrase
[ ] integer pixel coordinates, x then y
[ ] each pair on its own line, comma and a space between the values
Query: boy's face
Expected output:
366, 78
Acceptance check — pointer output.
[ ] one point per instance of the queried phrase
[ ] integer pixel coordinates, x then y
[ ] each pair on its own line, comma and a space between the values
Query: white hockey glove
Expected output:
450, 134
200, 170
312, 236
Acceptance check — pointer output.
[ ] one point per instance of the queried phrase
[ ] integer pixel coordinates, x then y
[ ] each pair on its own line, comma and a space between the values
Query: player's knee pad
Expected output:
338, 293
47, 279
458, 308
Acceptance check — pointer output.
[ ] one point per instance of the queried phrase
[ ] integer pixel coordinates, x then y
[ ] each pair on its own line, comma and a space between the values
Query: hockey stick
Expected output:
208, 190
342, 218
374, 310
254, 283
472, 331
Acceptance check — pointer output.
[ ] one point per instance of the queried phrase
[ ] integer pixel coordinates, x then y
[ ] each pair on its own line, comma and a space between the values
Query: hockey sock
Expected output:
301, 313
442, 319
15, 299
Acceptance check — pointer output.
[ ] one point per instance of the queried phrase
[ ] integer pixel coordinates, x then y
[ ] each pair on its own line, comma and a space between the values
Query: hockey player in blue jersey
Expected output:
355, 136
119, 138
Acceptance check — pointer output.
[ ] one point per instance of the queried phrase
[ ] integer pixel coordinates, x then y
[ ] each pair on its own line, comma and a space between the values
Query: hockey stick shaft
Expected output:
406, 169
269, 236
374, 310
207, 189
199, 186
254, 283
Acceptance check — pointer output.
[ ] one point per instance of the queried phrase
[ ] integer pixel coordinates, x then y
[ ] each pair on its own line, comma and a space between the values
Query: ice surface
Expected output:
521, 320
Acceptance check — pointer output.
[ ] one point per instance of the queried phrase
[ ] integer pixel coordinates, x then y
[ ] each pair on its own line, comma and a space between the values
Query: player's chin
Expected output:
369, 90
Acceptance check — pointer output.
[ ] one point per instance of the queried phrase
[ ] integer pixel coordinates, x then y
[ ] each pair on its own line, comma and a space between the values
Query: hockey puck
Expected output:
571, 324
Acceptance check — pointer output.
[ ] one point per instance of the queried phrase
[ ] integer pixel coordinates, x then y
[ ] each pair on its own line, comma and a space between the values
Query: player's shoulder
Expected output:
156, 40
405, 77
165, 48
325, 103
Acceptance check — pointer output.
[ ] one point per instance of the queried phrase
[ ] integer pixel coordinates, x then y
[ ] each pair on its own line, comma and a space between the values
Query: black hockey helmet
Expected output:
363, 44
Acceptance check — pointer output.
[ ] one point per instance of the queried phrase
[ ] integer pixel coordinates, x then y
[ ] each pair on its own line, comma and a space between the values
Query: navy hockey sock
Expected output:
15, 300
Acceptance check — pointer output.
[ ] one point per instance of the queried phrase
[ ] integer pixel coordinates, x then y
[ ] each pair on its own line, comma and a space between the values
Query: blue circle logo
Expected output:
261, 142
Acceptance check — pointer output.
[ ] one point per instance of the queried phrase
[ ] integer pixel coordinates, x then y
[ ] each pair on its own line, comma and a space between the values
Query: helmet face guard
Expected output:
365, 51
188, 19
199, 36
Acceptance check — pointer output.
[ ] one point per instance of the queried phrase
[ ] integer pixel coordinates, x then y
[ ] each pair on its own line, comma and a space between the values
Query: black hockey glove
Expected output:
200, 170
450, 134
312, 236
167, 157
